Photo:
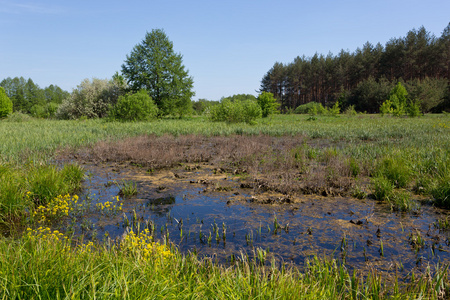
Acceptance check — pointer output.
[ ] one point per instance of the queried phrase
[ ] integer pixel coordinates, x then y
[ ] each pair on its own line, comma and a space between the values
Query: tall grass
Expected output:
44, 264
22, 188
38, 139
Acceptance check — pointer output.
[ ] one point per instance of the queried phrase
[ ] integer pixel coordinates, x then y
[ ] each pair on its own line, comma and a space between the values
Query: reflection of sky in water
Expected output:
319, 225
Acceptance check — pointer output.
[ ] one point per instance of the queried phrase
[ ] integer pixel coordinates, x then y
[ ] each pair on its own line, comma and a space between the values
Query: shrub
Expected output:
6, 104
268, 103
312, 108
350, 111
134, 107
51, 109
18, 116
335, 110
413, 109
430, 92
396, 104
386, 108
234, 112
38, 111
91, 99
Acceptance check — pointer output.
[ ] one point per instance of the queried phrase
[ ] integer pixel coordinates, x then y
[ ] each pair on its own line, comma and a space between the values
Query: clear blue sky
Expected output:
227, 46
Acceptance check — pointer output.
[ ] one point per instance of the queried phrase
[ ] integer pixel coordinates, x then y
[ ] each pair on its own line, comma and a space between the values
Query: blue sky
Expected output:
227, 46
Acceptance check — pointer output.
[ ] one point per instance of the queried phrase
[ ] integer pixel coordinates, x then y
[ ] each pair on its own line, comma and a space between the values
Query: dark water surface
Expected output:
212, 215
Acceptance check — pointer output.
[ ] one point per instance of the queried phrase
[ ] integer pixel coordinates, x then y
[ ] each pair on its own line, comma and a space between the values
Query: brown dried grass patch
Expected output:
279, 164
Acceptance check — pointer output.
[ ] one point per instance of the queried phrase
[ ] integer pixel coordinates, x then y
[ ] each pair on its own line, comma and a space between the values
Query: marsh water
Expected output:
201, 209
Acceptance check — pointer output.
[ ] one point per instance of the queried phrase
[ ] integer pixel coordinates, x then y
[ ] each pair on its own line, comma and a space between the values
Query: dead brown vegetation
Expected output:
281, 164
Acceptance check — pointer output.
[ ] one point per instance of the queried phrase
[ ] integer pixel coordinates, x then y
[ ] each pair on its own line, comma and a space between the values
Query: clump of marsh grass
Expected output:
399, 200
127, 188
23, 189
396, 170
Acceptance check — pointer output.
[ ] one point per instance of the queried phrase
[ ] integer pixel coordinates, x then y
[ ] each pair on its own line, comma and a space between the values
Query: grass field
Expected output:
38, 139
400, 157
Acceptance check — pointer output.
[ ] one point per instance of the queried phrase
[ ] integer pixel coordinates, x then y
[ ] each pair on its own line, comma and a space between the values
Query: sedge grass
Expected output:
44, 264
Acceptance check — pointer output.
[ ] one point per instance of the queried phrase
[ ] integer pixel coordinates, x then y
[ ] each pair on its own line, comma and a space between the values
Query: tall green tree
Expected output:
154, 66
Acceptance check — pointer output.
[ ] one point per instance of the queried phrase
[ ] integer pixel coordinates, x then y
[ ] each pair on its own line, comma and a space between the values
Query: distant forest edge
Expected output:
360, 81
28, 97
364, 78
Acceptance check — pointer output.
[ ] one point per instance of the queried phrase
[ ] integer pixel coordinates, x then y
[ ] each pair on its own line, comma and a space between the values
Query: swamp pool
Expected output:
203, 210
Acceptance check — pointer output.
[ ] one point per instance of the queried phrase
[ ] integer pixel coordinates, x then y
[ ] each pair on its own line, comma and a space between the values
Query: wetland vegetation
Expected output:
299, 192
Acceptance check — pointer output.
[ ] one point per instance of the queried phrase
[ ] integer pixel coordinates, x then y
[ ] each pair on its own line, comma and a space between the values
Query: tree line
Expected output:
364, 78
28, 97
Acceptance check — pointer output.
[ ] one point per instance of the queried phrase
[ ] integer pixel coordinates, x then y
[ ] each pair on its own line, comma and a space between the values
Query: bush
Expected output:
51, 109
234, 112
350, 111
386, 108
38, 111
6, 104
18, 117
413, 109
369, 94
312, 108
90, 99
397, 103
335, 110
268, 103
429, 92
134, 107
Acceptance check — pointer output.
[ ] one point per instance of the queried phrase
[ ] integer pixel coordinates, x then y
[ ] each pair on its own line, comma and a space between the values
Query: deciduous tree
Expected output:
5, 104
154, 66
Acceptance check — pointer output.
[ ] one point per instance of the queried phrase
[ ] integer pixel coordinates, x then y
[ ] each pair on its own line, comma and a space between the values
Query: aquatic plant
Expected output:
110, 207
127, 188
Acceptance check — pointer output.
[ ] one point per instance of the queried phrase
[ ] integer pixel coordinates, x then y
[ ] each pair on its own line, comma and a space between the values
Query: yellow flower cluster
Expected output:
86, 248
441, 125
110, 206
58, 207
142, 244
45, 233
